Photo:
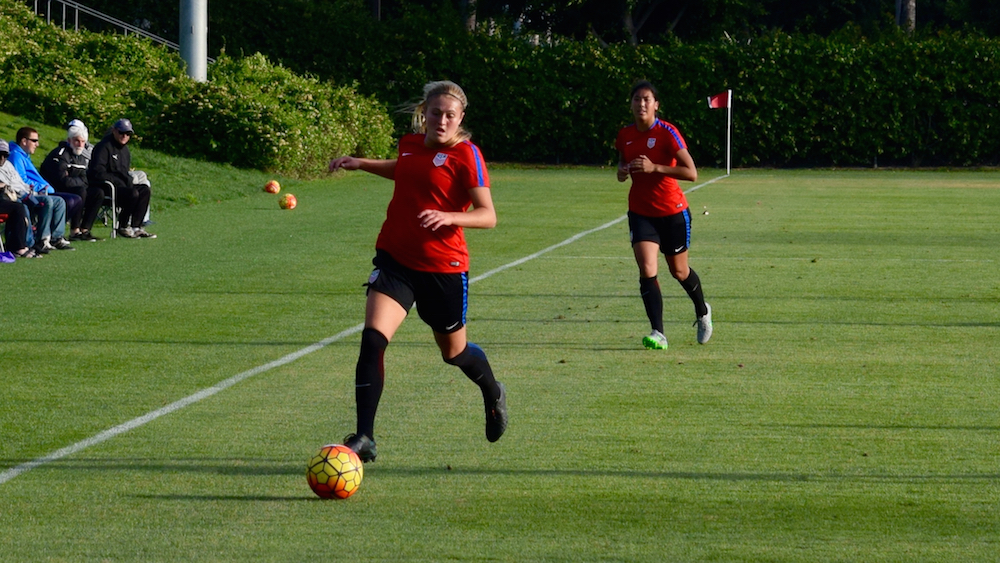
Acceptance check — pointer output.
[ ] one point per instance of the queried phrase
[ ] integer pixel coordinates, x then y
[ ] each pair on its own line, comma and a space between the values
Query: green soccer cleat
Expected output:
655, 341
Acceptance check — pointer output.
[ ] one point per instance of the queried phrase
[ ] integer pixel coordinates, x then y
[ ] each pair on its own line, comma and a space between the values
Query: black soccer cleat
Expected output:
496, 416
361, 445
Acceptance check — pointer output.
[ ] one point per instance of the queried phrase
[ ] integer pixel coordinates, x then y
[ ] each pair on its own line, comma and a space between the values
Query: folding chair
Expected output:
110, 209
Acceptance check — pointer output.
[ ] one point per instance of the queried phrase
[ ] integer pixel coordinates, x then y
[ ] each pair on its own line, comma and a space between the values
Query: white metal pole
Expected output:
729, 132
194, 38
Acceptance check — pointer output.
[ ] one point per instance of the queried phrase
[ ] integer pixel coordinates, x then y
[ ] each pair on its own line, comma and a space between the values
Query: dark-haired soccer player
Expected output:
654, 154
421, 256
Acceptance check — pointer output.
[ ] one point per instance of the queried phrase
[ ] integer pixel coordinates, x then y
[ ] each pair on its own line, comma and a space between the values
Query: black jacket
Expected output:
110, 161
65, 171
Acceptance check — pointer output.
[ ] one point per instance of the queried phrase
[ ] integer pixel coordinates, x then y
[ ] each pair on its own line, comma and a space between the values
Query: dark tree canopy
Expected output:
611, 21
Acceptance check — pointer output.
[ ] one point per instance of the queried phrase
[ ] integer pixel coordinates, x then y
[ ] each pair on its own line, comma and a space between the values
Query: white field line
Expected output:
225, 384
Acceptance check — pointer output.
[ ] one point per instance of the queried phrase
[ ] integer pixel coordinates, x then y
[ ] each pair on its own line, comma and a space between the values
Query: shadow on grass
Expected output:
237, 498
351, 341
269, 467
250, 343
947, 427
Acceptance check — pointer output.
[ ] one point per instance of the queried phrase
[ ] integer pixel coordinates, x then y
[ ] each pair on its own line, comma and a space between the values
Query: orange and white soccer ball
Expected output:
288, 201
272, 187
335, 472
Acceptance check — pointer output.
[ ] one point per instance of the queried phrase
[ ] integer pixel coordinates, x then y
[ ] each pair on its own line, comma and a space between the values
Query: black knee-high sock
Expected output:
652, 299
369, 379
473, 363
692, 285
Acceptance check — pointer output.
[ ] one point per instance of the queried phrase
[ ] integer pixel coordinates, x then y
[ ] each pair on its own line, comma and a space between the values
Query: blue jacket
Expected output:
26, 169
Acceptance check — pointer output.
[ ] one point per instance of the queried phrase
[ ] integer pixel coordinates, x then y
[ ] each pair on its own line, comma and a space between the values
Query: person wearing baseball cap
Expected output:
110, 167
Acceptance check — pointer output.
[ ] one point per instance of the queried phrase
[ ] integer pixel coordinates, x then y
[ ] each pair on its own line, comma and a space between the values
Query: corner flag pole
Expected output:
729, 130
725, 100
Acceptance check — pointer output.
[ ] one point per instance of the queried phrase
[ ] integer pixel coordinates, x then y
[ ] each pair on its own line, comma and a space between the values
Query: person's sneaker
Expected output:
141, 233
704, 324
62, 244
87, 236
655, 341
362, 445
41, 248
496, 416
126, 232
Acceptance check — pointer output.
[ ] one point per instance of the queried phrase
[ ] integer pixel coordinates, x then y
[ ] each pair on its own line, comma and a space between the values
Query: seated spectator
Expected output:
16, 226
138, 176
65, 169
51, 235
88, 149
49, 211
110, 165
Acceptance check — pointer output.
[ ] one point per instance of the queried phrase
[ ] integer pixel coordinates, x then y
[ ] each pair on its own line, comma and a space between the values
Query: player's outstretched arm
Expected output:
383, 168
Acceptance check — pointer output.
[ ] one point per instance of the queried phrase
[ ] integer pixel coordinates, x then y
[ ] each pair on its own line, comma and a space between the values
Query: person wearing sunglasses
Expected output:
47, 207
110, 165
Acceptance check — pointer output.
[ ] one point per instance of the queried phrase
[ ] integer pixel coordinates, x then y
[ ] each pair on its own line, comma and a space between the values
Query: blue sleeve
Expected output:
29, 174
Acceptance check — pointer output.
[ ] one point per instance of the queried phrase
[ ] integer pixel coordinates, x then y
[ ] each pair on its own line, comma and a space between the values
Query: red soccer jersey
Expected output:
431, 178
653, 195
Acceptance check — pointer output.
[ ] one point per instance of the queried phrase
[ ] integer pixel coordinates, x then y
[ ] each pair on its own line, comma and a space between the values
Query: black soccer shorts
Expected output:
442, 299
672, 233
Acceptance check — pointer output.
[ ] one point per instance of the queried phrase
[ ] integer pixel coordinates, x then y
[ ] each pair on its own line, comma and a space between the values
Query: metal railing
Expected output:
69, 9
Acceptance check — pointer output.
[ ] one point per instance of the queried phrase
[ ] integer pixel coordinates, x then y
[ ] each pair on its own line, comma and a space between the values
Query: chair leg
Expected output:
114, 214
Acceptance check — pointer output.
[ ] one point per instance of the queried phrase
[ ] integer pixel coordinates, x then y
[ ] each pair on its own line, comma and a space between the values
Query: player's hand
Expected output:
433, 219
642, 164
623, 173
345, 162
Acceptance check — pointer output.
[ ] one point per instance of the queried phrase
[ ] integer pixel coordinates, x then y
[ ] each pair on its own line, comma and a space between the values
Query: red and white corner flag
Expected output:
720, 100
725, 100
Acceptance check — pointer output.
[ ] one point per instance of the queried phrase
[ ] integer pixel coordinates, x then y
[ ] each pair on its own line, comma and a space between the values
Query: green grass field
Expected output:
845, 410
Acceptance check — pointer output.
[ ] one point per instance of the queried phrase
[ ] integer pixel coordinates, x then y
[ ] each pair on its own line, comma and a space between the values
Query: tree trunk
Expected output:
906, 14
469, 11
633, 33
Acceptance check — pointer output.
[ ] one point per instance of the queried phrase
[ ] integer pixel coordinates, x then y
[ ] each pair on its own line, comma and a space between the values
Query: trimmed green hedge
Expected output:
800, 100
251, 113
254, 114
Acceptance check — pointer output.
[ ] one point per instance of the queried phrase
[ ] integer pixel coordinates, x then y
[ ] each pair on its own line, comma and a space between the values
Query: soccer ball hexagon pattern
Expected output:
288, 201
272, 187
335, 472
